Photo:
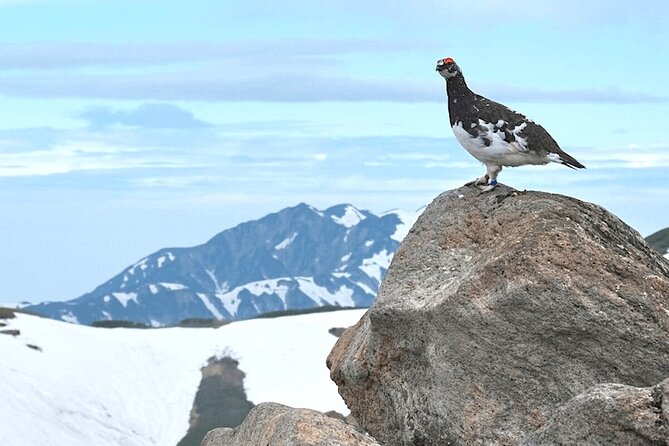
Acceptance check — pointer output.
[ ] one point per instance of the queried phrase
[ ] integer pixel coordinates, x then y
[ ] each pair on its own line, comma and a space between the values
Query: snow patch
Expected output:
267, 287
407, 221
123, 298
153, 289
173, 286
77, 392
351, 217
287, 241
369, 243
372, 266
221, 288
106, 299
342, 297
69, 317
345, 258
340, 275
207, 303
142, 264
366, 289
162, 259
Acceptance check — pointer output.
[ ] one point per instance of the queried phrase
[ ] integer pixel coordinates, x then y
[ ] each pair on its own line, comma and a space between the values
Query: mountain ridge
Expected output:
299, 257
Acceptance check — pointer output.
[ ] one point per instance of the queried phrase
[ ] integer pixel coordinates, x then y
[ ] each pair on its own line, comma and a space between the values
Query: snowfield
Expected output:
95, 386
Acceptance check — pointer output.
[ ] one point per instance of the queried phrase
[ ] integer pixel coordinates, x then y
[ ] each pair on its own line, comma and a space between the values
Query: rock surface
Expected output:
610, 414
278, 425
498, 308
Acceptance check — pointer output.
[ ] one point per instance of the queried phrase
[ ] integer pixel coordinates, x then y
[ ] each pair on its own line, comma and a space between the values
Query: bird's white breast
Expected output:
499, 152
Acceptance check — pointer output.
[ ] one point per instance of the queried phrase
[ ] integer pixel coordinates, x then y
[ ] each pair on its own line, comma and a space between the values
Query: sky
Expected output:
130, 126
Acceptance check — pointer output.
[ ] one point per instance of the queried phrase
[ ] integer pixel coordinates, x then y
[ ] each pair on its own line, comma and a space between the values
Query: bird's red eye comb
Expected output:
447, 60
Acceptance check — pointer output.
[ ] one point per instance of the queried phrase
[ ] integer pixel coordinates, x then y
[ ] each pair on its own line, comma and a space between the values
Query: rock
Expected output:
497, 308
337, 331
277, 425
220, 399
610, 414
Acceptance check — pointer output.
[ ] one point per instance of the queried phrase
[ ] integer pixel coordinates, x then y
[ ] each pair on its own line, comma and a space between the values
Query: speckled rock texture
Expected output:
278, 425
609, 414
498, 308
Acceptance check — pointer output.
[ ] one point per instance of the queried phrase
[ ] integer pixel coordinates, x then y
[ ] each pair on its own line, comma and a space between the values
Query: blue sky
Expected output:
129, 126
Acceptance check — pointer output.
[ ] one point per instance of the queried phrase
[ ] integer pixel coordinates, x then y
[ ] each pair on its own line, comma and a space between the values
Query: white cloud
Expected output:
77, 156
634, 156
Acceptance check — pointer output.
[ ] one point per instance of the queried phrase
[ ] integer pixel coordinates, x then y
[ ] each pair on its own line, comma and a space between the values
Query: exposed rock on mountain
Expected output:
297, 258
277, 425
610, 414
220, 400
498, 308
660, 241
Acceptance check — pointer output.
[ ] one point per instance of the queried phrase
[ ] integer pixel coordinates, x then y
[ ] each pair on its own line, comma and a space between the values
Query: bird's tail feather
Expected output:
570, 161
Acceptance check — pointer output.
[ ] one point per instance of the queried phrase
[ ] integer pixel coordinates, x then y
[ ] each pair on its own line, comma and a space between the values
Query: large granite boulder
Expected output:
609, 414
278, 425
497, 308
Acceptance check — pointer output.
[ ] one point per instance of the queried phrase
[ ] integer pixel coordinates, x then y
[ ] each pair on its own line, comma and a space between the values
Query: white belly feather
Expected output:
499, 152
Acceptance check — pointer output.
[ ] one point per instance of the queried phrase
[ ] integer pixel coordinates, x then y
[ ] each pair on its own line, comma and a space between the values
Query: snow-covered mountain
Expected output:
67, 384
297, 258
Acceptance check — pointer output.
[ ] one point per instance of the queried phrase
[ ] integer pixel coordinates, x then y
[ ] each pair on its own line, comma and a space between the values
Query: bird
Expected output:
493, 133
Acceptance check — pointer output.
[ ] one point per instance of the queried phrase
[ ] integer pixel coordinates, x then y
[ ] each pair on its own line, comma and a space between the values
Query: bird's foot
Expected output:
488, 187
479, 181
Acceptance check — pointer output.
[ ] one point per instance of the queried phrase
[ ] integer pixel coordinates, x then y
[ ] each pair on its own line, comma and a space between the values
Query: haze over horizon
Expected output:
131, 126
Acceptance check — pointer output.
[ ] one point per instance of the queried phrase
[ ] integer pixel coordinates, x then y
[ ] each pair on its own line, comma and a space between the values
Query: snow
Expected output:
350, 218
109, 387
123, 298
342, 297
70, 318
258, 288
162, 259
366, 289
173, 286
142, 264
287, 241
369, 243
207, 303
407, 218
345, 258
340, 275
220, 287
372, 265
153, 288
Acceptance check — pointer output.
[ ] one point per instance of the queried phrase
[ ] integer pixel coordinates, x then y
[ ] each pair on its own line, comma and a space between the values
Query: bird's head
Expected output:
448, 68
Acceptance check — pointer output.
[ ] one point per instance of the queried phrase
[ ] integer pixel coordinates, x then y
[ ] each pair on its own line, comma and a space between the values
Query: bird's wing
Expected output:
516, 128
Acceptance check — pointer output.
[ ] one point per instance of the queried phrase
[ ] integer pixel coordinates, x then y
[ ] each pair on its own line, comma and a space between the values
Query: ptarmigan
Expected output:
494, 134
